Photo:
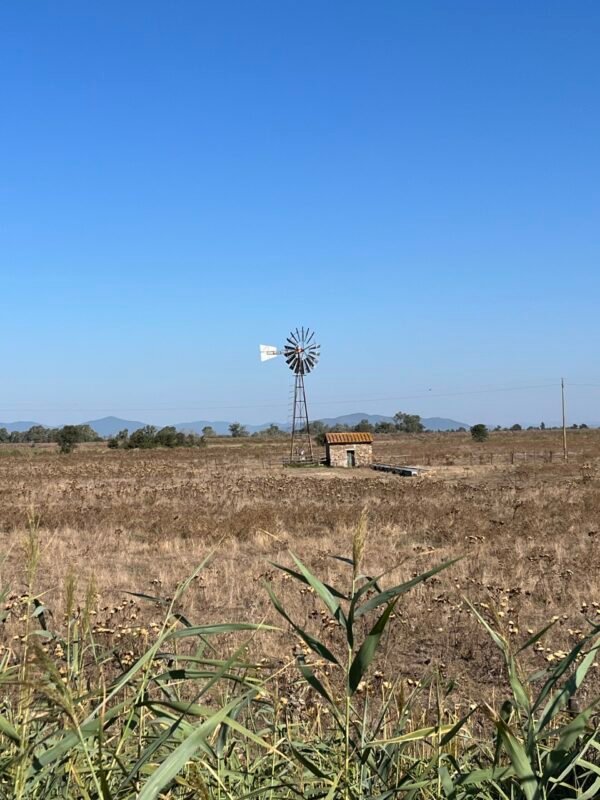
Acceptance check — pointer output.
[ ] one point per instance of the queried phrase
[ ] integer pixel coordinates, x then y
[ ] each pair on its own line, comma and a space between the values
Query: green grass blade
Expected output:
402, 588
559, 700
179, 758
214, 630
314, 644
518, 758
367, 650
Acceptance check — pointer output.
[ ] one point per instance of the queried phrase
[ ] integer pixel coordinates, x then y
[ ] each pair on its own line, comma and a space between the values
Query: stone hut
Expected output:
349, 449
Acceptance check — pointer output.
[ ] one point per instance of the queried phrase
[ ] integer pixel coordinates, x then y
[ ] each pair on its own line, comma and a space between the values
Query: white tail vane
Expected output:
267, 351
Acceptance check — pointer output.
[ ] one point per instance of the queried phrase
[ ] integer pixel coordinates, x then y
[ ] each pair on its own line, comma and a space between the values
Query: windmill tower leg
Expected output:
301, 444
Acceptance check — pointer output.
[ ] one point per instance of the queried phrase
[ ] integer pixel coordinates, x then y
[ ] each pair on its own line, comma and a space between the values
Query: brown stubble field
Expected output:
526, 525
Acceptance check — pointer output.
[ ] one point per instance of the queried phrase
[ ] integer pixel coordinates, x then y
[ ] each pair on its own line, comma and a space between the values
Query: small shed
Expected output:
349, 449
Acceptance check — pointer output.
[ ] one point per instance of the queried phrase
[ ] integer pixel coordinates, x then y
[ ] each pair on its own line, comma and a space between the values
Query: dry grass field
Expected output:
526, 525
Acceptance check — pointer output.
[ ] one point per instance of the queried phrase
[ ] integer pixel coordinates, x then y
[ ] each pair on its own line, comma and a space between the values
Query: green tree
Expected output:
385, 427
208, 431
4, 435
237, 430
479, 432
39, 433
320, 438
542, 426
516, 427
273, 431
87, 434
317, 427
143, 438
408, 423
67, 438
364, 426
166, 437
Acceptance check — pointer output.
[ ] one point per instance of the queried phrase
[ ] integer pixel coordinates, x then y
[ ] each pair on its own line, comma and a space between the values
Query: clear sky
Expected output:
418, 181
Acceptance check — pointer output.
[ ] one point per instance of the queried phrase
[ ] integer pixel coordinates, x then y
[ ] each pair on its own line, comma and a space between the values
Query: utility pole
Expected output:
564, 420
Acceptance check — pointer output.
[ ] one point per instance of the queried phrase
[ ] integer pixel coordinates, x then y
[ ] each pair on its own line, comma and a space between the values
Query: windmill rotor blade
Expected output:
311, 336
303, 336
291, 340
298, 339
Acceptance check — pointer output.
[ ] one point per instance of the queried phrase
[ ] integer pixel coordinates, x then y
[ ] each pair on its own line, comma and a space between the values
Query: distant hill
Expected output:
219, 426
431, 423
443, 424
109, 426
18, 426
354, 419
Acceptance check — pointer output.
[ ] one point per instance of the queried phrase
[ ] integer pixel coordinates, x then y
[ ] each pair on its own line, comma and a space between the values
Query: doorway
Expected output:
350, 458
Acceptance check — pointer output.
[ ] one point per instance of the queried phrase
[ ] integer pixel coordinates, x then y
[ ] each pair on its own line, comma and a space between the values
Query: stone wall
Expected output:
363, 454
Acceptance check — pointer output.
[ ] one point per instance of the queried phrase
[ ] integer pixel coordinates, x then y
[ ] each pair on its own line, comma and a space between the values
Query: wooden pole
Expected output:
564, 420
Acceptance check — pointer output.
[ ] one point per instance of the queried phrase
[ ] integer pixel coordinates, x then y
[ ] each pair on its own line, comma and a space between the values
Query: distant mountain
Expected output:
219, 426
431, 423
354, 419
18, 426
109, 426
443, 424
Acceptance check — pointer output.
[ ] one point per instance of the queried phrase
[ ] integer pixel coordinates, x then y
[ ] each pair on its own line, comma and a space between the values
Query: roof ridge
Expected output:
349, 437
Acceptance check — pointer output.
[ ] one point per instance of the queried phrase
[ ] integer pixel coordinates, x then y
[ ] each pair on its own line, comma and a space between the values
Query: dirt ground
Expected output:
526, 525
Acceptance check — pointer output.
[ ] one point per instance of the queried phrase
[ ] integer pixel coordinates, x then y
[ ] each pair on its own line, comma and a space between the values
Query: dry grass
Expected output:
140, 521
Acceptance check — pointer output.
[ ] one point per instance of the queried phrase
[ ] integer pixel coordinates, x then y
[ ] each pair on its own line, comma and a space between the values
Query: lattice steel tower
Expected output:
301, 353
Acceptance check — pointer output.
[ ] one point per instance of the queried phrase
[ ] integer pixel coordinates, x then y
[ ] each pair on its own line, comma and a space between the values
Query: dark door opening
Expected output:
350, 458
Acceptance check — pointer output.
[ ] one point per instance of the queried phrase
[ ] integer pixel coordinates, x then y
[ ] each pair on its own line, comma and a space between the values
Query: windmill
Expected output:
301, 353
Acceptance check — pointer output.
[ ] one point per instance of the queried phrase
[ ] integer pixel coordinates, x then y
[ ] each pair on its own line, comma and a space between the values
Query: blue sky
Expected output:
418, 181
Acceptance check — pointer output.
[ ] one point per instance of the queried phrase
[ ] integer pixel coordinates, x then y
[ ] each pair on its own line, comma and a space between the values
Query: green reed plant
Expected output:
80, 730
367, 751
185, 721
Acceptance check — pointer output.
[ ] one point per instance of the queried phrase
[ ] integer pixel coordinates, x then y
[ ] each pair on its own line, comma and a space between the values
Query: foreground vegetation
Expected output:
184, 720
251, 680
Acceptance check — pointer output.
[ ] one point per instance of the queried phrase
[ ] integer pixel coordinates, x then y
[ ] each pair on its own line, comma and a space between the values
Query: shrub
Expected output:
479, 432
67, 438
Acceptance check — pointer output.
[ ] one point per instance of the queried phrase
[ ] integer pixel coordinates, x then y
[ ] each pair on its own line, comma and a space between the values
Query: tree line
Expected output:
69, 436
402, 423
66, 437
149, 436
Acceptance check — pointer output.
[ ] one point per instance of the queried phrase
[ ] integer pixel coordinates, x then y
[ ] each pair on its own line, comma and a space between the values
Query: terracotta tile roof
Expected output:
349, 437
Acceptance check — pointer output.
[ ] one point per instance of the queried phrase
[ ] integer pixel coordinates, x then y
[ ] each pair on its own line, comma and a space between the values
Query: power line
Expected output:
330, 401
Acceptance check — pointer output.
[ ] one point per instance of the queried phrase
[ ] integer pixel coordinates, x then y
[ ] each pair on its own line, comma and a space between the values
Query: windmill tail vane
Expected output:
301, 354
